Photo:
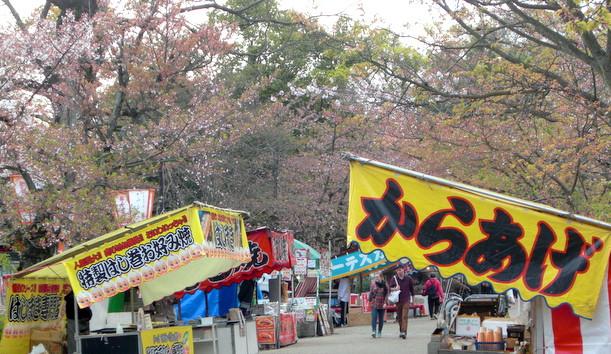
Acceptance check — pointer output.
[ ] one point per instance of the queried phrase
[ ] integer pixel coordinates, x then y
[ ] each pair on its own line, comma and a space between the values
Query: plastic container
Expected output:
490, 346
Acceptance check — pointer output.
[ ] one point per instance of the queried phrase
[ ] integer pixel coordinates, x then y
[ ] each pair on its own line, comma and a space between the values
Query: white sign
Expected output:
301, 261
325, 264
467, 326
133, 205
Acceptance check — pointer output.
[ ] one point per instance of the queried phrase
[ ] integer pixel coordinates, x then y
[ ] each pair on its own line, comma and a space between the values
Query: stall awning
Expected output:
511, 243
312, 253
160, 255
270, 250
354, 263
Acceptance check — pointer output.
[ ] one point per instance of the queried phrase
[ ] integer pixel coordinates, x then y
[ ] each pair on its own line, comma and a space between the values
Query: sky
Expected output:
395, 14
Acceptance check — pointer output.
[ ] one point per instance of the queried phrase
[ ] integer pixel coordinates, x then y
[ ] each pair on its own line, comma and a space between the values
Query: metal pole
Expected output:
132, 294
76, 325
317, 285
329, 317
278, 322
206, 302
292, 284
483, 192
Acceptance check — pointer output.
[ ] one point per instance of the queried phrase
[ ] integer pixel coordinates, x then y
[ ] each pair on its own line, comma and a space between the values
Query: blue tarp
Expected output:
220, 300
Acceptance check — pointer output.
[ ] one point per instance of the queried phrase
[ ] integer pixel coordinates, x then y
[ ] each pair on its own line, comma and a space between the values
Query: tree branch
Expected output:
238, 13
565, 44
15, 14
515, 60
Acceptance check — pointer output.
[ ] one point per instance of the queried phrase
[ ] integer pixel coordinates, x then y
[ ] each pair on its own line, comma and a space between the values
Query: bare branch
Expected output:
15, 14
240, 13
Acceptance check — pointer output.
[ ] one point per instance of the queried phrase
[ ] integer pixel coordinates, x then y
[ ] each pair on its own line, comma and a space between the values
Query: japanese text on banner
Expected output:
32, 304
483, 238
136, 258
169, 340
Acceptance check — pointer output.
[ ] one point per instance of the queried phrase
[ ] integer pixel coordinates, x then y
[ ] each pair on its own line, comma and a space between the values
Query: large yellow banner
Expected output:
162, 257
486, 239
33, 305
167, 340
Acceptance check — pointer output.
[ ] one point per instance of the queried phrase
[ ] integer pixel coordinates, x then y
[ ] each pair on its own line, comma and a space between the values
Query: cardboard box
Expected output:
511, 343
47, 335
467, 326
357, 317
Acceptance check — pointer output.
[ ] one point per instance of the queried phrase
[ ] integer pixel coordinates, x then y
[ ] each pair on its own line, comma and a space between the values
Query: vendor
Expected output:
343, 293
84, 316
163, 310
245, 295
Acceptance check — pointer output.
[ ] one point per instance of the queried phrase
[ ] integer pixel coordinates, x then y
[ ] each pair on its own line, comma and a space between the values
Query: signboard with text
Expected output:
508, 244
32, 304
150, 253
301, 261
167, 340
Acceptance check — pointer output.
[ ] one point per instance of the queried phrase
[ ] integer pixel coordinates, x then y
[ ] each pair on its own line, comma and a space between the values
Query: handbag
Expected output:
393, 298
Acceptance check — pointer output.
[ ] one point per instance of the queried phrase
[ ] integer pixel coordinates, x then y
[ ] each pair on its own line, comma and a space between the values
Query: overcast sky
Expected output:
393, 13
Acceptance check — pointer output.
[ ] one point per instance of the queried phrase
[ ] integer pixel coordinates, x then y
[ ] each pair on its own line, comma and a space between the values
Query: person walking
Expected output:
343, 293
402, 281
434, 292
377, 297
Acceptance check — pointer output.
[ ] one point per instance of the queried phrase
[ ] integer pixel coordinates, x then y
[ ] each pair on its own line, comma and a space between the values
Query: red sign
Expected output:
269, 250
288, 328
266, 329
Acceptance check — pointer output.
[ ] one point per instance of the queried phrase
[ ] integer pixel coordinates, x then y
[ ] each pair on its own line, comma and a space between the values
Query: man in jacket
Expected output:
402, 281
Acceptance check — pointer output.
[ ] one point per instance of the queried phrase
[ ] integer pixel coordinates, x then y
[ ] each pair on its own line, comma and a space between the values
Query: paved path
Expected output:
357, 340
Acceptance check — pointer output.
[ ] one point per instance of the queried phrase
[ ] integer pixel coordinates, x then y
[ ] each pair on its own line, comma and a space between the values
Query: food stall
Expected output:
270, 251
312, 315
159, 256
354, 264
553, 258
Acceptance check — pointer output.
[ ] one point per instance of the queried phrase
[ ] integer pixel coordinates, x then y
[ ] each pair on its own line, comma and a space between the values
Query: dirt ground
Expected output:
358, 340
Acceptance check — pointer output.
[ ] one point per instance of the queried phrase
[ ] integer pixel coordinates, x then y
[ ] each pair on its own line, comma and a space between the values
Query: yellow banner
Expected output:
33, 305
486, 239
167, 340
161, 257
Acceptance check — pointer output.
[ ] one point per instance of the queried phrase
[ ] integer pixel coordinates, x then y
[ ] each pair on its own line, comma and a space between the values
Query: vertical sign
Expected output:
33, 305
133, 205
21, 190
301, 261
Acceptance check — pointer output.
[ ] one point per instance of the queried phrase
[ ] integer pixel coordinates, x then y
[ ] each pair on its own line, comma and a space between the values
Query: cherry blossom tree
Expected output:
94, 102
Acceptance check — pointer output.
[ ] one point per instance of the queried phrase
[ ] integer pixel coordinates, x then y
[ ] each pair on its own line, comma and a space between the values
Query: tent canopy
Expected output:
270, 250
163, 247
312, 253
54, 268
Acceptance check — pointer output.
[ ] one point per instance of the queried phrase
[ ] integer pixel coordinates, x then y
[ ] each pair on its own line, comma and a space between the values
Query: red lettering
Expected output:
19, 288
166, 227
83, 262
